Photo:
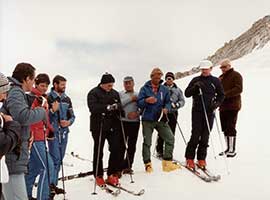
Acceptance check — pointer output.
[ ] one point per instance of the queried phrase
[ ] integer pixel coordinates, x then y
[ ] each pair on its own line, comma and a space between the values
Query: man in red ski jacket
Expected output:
40, 162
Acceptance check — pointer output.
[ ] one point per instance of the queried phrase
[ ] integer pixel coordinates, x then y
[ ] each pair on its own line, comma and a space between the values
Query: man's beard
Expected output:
60, 90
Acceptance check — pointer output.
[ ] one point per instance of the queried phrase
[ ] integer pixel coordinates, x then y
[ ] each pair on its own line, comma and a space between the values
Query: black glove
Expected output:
113, 107
41, 100
50, 135
199, 84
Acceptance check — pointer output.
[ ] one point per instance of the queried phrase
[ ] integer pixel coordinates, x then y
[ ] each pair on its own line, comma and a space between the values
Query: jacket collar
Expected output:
35, 91
227, 72
55, 94
14, 81
206, 77
149, 84
174, 85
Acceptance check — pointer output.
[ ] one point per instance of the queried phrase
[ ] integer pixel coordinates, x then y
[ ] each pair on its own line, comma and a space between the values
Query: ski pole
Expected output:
46, 154
221, 144
61, 156
207, 122
126, 147
98, 155
62, 166
180, 129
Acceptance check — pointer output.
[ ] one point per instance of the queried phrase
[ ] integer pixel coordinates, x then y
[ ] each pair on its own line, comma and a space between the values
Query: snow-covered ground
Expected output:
249, 175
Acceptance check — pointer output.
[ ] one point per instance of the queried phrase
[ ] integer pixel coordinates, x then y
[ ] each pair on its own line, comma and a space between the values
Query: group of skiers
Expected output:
31, 119
35, 124
116, 117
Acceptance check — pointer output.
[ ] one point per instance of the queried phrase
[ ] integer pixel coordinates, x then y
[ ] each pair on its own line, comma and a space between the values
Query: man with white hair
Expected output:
232, 83
207, 93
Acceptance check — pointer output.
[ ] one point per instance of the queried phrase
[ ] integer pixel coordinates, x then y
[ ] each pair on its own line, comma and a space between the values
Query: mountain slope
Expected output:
254, 38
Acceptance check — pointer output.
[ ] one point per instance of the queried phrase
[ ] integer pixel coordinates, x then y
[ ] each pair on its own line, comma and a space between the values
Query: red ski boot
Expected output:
190, 164
113, 180
201, 164
100, 181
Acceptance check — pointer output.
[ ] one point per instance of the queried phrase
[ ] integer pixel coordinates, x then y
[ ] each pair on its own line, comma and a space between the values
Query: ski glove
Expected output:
175, 105
112, 107
41, 100
50, 135
199, 84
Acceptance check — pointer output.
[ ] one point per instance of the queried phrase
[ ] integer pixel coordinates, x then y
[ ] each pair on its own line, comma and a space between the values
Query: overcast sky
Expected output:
81, 39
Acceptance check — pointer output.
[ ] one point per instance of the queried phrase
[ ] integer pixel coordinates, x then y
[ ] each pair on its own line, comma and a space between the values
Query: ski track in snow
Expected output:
249, 176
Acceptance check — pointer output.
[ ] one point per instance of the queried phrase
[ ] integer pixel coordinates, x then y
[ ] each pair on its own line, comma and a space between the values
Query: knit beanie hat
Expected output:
4, 84
169, 74
107, 78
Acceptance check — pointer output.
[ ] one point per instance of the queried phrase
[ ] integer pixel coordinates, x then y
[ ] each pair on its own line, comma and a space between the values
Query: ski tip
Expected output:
116, 193
217, 178
141, 192
208, 180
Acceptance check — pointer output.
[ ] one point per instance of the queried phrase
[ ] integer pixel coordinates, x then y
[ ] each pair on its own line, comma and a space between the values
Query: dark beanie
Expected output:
107, 78
169, 74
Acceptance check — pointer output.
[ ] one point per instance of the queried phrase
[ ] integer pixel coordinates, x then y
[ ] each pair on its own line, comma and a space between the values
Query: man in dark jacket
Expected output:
105, 107
233, 85
9, 132
17, 106
208, 88
154, 102
177, 101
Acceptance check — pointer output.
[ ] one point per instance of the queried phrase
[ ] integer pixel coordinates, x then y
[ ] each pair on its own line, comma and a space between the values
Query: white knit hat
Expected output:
4, 84
205, 64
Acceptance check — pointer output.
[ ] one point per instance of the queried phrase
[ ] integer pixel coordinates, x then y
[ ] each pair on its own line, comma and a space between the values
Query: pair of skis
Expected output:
202, 173
106, 186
